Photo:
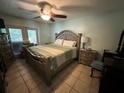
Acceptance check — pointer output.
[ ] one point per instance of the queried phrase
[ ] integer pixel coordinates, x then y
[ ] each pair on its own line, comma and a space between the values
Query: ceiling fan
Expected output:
43, 8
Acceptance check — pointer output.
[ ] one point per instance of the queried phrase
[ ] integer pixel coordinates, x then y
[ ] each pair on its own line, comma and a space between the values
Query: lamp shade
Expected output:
84, 39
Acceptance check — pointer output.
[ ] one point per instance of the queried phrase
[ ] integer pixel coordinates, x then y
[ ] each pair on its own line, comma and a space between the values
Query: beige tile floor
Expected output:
75, 78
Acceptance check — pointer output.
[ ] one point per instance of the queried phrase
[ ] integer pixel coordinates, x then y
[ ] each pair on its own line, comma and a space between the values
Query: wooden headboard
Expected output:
69, 35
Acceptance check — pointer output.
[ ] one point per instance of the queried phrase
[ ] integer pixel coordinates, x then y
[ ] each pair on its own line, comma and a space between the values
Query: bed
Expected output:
49, 59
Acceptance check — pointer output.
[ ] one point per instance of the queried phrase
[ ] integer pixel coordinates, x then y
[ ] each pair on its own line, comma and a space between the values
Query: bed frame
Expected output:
42, 66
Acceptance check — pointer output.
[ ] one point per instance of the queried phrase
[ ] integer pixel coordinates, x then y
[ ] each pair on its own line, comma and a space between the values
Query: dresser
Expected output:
2, 74
112, 80
87, 56
6, 50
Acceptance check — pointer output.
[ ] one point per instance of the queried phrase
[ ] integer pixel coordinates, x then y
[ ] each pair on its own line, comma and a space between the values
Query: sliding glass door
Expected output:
16, 40
19, 35
15, 34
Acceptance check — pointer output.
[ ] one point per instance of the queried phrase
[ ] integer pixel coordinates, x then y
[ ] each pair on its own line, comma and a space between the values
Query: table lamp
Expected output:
84, 42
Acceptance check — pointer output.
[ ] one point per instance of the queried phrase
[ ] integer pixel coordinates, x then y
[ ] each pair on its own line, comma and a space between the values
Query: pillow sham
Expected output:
59, 41
69, 43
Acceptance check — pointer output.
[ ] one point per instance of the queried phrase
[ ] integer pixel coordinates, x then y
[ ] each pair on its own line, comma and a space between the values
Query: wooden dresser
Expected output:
87, 56
5, 49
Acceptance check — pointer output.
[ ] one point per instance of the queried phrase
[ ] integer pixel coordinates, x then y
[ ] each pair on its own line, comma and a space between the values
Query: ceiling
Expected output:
72, 8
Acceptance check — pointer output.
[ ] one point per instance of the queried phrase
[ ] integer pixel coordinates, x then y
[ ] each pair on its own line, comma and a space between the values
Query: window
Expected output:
32, 36
2, 30
16, 34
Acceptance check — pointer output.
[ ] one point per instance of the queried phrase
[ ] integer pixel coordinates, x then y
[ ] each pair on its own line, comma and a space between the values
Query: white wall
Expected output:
45, 33
104, 30
43, 28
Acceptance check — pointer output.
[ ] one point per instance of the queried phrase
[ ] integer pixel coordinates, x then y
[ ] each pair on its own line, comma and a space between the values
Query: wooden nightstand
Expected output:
87, 56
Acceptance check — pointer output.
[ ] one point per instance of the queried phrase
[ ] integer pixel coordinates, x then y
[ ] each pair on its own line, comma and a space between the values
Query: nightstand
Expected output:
87, 56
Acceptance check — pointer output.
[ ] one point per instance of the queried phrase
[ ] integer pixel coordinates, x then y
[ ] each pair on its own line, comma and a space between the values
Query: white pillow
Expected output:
69, 43
59, 41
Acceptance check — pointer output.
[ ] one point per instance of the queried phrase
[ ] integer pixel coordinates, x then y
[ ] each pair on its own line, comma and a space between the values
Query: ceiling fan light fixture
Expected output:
45, 17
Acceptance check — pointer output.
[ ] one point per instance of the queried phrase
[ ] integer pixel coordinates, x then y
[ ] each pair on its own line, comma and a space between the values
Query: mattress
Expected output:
55, 54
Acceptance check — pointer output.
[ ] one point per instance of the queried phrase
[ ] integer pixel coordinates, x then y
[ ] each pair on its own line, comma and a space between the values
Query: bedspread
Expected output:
55, 54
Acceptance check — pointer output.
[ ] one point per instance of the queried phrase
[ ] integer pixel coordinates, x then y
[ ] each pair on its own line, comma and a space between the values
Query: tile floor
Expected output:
75, 78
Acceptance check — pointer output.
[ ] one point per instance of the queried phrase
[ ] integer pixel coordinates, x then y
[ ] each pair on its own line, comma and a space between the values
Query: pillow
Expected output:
69, 43
59, 41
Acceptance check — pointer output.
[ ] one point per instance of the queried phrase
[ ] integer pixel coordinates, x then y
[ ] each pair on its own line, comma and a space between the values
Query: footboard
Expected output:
43, 66
40, 64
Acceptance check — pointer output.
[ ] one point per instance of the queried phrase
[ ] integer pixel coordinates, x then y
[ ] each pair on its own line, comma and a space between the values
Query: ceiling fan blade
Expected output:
29, 1
35, 11
59, 16
27, 6
36, 17
52, 20
75, 8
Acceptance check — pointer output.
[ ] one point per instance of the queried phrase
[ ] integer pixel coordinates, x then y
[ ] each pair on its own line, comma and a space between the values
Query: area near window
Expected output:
20, 35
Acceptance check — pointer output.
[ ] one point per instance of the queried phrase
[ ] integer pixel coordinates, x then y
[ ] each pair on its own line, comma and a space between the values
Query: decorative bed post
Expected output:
79, 45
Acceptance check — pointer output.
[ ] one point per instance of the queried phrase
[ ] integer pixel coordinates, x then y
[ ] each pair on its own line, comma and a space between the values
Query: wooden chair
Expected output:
96, 65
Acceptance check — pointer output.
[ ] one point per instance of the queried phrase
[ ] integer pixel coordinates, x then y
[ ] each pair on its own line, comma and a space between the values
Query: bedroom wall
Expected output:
104, 30
43, 28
